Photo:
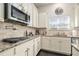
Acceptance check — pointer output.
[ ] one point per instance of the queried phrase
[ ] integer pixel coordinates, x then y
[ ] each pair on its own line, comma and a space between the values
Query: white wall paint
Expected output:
77, 16
69, 10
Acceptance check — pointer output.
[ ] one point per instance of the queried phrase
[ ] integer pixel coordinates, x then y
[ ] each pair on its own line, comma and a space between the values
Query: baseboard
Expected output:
55, 52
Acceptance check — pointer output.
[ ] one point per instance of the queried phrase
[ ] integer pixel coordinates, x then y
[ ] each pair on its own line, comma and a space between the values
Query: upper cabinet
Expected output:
42, 22
76, 16
18, 5
35, 16
1, 12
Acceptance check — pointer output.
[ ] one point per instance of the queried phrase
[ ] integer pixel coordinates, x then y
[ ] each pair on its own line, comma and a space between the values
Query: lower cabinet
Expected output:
37, 45
20, 50
29, 48
8, 52
54, 44
25, 49
45, 41
65, 45
57, 44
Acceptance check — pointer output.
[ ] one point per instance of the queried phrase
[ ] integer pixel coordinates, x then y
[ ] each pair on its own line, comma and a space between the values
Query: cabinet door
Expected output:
37, 45
30, 48
1, 12
34, 16
25, 5
18, 5
20, 50
42, 19
9, 52
45, 43
54, 44
25, 49
65, 45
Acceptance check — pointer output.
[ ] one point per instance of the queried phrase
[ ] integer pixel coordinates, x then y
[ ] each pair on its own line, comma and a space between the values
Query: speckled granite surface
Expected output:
62, 36
5, 46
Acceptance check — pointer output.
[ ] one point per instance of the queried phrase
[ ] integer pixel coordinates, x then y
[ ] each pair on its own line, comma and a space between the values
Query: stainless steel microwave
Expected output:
13, 13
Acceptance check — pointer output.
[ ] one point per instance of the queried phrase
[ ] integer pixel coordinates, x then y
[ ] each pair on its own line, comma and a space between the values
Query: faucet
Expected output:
26, 33
58, 34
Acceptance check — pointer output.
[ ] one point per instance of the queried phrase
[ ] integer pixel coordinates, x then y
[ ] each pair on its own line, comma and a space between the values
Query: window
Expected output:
59, 22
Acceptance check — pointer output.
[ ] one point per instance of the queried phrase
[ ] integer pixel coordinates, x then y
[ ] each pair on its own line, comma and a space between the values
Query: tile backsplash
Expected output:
59, 32
8, 30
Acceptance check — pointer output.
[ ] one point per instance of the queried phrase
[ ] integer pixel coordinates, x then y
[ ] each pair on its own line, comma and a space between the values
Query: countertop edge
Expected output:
18, 43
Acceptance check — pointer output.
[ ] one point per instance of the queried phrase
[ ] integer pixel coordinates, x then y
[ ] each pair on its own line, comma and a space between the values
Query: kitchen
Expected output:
39, 29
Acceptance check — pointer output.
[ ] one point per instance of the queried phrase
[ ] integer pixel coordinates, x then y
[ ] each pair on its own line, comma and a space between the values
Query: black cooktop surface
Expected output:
14, 40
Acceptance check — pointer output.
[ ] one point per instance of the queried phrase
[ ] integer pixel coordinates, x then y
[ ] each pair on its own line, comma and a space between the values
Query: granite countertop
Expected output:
62, 36
4, 46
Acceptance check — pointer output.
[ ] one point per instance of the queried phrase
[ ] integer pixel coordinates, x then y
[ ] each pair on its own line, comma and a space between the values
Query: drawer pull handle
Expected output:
27, 51
14, 51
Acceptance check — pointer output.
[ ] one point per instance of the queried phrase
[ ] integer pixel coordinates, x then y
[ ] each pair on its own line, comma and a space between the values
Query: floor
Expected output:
46, 53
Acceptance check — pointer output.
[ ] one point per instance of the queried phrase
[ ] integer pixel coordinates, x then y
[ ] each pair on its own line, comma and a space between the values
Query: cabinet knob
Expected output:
14, 51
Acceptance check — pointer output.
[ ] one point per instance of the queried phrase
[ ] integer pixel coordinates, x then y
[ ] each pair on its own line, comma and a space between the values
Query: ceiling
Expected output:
42, 4
45, 4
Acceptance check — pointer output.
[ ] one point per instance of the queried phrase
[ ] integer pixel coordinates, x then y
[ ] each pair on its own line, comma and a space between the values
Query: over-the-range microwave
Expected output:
13, 13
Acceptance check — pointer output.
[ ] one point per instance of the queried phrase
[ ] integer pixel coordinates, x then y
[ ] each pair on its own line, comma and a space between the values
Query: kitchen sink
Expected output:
14, 40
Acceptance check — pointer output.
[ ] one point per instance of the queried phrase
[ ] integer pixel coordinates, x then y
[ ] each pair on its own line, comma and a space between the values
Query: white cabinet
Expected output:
57, 44
25, 49
8, 52
42, 20
34, 16
20, 50
1, 12
28, 48
54, 44
45, 41
18, 5
25, 5
61, 44
37, 45
65, 45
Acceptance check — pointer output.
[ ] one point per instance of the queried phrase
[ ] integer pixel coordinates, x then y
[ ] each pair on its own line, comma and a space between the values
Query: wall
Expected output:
59, 32
9, 32
77, 15
69, 10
